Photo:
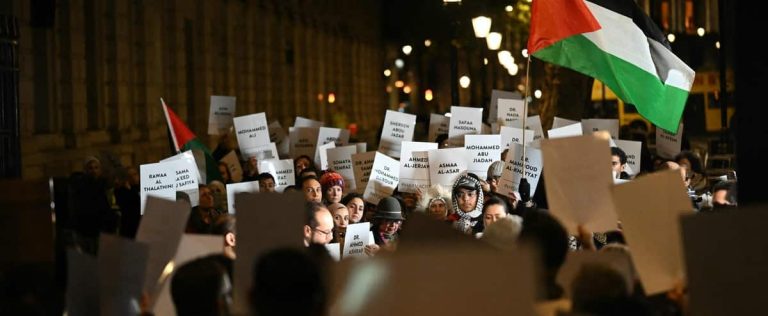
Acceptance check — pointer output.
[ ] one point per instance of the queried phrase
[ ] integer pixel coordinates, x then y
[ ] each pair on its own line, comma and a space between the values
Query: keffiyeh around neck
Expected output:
467, 219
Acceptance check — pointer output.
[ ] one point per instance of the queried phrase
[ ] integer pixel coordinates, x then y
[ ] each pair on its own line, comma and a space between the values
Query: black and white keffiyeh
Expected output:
467, 220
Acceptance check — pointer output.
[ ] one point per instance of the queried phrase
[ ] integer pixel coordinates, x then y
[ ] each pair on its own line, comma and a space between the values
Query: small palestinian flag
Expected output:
183, 139
616, 43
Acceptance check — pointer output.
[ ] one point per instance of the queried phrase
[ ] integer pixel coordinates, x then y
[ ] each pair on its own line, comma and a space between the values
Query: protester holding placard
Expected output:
266, 183
467, 205
494, 174
204, 214
300, 164
386, 223
356, 205
435, 202
332, 184
340, 215
619, 163
313, 191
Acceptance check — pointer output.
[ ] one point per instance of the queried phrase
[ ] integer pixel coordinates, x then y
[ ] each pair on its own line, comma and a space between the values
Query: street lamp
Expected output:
464, 82
481, 25
493, 40
505, 58
407, 49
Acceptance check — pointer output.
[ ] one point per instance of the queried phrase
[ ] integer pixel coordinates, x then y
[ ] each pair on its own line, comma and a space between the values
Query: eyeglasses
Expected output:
327, 233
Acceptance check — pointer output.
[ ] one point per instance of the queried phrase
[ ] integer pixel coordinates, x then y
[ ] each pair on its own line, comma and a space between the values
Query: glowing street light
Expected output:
701, 31
407, 49
428, 95
671, 37
512, 69
505, 58
427, 43
509, 8
525, 53
493, 40
464, 82
407, 89
537, 94
399, 63
331, 97
387, 72
481, 25
399, 84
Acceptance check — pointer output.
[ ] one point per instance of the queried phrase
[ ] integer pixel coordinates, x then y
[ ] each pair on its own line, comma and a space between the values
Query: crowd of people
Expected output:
293, 281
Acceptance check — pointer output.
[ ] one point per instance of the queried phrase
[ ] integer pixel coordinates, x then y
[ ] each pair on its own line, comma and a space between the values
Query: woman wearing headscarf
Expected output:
467, 205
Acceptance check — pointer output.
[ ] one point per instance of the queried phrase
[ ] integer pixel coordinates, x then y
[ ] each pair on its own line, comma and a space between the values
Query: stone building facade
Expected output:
91, 83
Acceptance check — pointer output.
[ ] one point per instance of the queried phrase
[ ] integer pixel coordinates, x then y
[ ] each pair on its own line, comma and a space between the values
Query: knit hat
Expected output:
389, 208
495, 169
330, 179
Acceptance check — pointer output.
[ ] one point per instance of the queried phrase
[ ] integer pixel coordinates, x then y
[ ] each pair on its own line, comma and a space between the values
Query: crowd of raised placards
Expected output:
476, 220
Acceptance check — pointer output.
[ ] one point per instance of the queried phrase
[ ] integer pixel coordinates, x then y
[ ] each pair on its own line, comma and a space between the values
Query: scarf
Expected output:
467, 219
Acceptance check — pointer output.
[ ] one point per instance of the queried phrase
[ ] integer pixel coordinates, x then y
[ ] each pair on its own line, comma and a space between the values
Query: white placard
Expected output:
340, 160
650, 209
305, 122
579, 182
263, 152
510, 111
355, 239
464, 120
303, 141
513, 169
497, 95
632, 149
161, 228
414, 166
221, 114
385, 176
321, 156
233, 166
163, 179
514, 135
561, 122
278, 136
362, 163
667, 144
251, 130
482, 151
281, 170
192, 246
398, 127
446, 165
233, 188
334, 250
534, 123
190, 158
336, 135
566, 131
438, 124
593, 125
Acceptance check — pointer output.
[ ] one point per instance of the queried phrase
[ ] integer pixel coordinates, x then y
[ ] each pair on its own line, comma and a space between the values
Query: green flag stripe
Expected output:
661, 104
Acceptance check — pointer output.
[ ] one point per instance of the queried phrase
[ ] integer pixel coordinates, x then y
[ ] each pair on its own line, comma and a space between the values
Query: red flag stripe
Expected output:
554, 20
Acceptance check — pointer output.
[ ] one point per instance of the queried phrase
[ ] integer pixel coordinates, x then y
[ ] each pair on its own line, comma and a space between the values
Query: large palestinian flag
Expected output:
183, 139
616, 43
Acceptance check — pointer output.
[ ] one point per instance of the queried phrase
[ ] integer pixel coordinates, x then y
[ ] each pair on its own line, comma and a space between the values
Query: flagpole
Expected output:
525, 106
